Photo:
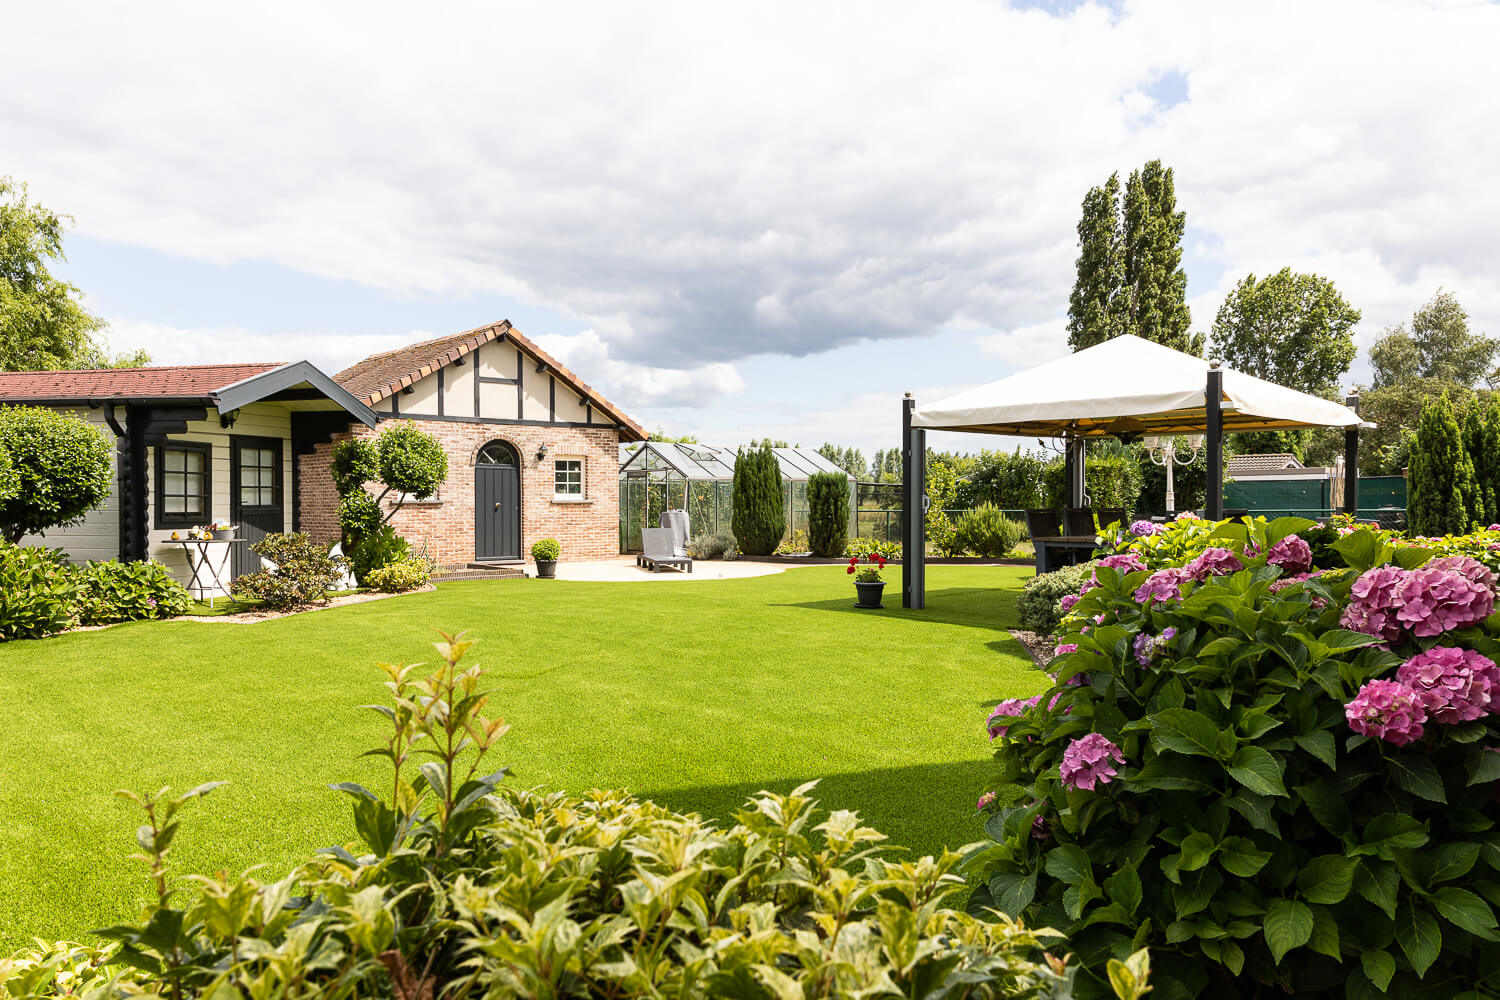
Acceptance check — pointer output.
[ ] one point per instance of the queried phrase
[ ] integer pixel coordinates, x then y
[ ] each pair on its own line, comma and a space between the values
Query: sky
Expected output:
738, 220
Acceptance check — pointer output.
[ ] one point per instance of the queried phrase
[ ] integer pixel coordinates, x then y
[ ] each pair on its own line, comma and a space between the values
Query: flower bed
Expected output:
1271, 755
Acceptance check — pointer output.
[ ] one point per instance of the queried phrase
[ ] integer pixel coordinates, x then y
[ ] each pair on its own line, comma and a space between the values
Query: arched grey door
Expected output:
497, 503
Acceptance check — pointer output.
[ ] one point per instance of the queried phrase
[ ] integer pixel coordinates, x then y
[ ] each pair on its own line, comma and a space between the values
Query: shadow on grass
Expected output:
924, 807
974, 607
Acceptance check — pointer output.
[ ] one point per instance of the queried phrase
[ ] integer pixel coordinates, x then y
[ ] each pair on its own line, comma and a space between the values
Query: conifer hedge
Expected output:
1444, 493
828, 513
759, 518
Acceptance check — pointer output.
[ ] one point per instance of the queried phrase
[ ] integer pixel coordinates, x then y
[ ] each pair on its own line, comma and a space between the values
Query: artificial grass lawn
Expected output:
695, 694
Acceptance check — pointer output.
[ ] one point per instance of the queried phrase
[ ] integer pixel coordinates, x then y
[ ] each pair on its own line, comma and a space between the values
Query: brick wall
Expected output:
589, 530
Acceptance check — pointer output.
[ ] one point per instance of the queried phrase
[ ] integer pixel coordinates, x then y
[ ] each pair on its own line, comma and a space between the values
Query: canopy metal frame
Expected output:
1214, 419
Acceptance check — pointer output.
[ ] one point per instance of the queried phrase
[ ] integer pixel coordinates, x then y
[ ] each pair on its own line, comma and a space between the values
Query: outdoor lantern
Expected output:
541, 452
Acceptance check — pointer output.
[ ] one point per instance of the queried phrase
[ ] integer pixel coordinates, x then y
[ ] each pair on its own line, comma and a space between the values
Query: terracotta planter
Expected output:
868, 594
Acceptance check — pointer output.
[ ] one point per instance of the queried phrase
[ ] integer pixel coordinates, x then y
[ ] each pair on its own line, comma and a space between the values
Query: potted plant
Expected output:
222, 529
868, 586
545, 551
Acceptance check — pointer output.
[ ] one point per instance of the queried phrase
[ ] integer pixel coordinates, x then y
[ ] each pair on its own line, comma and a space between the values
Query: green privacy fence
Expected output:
1261, 496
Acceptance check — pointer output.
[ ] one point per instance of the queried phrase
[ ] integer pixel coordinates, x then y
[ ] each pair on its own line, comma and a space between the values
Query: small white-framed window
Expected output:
567, 478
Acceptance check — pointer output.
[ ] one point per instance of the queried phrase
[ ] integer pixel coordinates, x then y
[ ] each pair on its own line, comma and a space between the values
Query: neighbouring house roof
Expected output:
1238, 465
224, 387
382, 375
105, 384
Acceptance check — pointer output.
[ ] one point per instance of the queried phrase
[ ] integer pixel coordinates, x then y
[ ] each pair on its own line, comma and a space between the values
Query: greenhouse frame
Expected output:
699, 478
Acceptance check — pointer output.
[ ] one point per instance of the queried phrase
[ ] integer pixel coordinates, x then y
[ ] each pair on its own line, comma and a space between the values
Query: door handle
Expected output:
497, 505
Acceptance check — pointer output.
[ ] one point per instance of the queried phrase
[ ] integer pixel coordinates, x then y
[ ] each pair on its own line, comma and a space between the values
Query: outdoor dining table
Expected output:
1062, 550
210, 568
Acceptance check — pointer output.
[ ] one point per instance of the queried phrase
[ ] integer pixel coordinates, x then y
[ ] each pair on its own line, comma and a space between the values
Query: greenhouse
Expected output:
699, 478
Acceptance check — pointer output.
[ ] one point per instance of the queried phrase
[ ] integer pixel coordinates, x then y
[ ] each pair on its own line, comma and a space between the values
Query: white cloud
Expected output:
588, 355
702, 183
330, 352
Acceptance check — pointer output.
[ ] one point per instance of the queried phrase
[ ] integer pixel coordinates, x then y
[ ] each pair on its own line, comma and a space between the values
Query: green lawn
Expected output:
694, 693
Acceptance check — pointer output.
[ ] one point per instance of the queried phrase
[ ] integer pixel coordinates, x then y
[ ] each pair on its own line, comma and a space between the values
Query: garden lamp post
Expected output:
1163, 451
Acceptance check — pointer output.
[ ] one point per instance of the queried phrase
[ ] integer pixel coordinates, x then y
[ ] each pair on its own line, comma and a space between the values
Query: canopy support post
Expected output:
1074, 463
1351, 461
1214, 413
913, 511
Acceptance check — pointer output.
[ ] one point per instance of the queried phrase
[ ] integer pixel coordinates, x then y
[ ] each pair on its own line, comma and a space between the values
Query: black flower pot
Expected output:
868, 594
546, 569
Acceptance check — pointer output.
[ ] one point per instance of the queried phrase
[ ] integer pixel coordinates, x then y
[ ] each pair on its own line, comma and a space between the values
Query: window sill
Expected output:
582, 502
415, 503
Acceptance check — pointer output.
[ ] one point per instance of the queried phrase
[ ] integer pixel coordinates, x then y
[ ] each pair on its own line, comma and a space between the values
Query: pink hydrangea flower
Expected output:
1214, 562
1373, 601
1041, 829
1003, 714
1148, 645
1437, 600
1292, 554
1387, 710
1187, 515
1086, 762
1067, 602
1470, 569
1163, 585
1141, 529
1065, 648
985, 801
1456, 685
1494, 527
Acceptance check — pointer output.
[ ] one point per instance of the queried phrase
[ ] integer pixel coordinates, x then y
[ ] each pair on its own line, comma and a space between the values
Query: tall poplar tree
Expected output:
1129, 269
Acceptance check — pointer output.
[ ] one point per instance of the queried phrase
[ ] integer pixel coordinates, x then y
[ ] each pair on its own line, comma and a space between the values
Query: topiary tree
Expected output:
1443, 492
828, 513
759, 518
404, 459
60, 470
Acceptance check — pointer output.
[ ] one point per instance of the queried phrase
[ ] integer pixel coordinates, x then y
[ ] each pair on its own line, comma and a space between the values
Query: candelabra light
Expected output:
1163, 452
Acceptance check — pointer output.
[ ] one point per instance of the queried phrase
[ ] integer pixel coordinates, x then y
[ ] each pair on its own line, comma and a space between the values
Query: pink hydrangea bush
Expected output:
1163, 585
1387, 710
1087, 762
1455, 685
1292, 554
1214, 562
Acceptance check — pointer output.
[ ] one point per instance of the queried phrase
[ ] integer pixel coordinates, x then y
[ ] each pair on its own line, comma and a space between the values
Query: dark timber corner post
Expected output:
913, 516
1214, 412
1351, 461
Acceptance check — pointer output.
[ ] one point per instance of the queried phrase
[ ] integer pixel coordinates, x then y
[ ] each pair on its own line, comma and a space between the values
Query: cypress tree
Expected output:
1482, 442
1443, 491
828, 513
759, 517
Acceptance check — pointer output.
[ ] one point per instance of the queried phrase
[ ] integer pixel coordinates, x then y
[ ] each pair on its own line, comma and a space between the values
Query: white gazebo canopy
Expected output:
1160, 390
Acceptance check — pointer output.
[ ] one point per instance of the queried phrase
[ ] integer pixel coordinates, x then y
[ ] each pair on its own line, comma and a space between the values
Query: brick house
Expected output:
532, 449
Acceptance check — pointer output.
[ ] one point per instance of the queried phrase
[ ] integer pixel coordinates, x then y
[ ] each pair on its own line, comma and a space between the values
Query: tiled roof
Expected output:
164, 382
382, 375
1239, 464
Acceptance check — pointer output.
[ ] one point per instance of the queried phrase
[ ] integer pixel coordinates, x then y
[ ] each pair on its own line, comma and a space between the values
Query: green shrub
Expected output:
862, 548
376, 550
545, 550
112, 591
304, 572
359, 517
1110, 480
61, 469
759, 518
37, 591
353, 463
1040, 603
461, 887
712, 544
1264, 817
409, 574
828, 512
985, 531
412, 461
942, 493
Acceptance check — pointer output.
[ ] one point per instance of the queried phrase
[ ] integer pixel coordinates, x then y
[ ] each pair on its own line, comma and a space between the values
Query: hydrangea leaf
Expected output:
1485, 767
1258, 770
1325, 933
1185, 731
1239, 856
1124, 887
1377, 882
1013, 892
1070, 864
1451, 861
1391, 832
1418, 776
1419, 936
1197, 848
1327, 879
1379, 966
1288, 925
1320, 744
1464, 909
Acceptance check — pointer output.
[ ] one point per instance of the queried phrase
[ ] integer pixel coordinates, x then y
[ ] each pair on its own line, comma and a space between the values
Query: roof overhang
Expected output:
259, 387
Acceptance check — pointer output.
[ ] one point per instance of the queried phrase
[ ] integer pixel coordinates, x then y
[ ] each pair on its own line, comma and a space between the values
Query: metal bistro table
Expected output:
1062, 550
208, 559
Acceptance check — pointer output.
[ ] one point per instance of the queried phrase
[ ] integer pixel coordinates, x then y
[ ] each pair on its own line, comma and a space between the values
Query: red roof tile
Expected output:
163, 382
382, 375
